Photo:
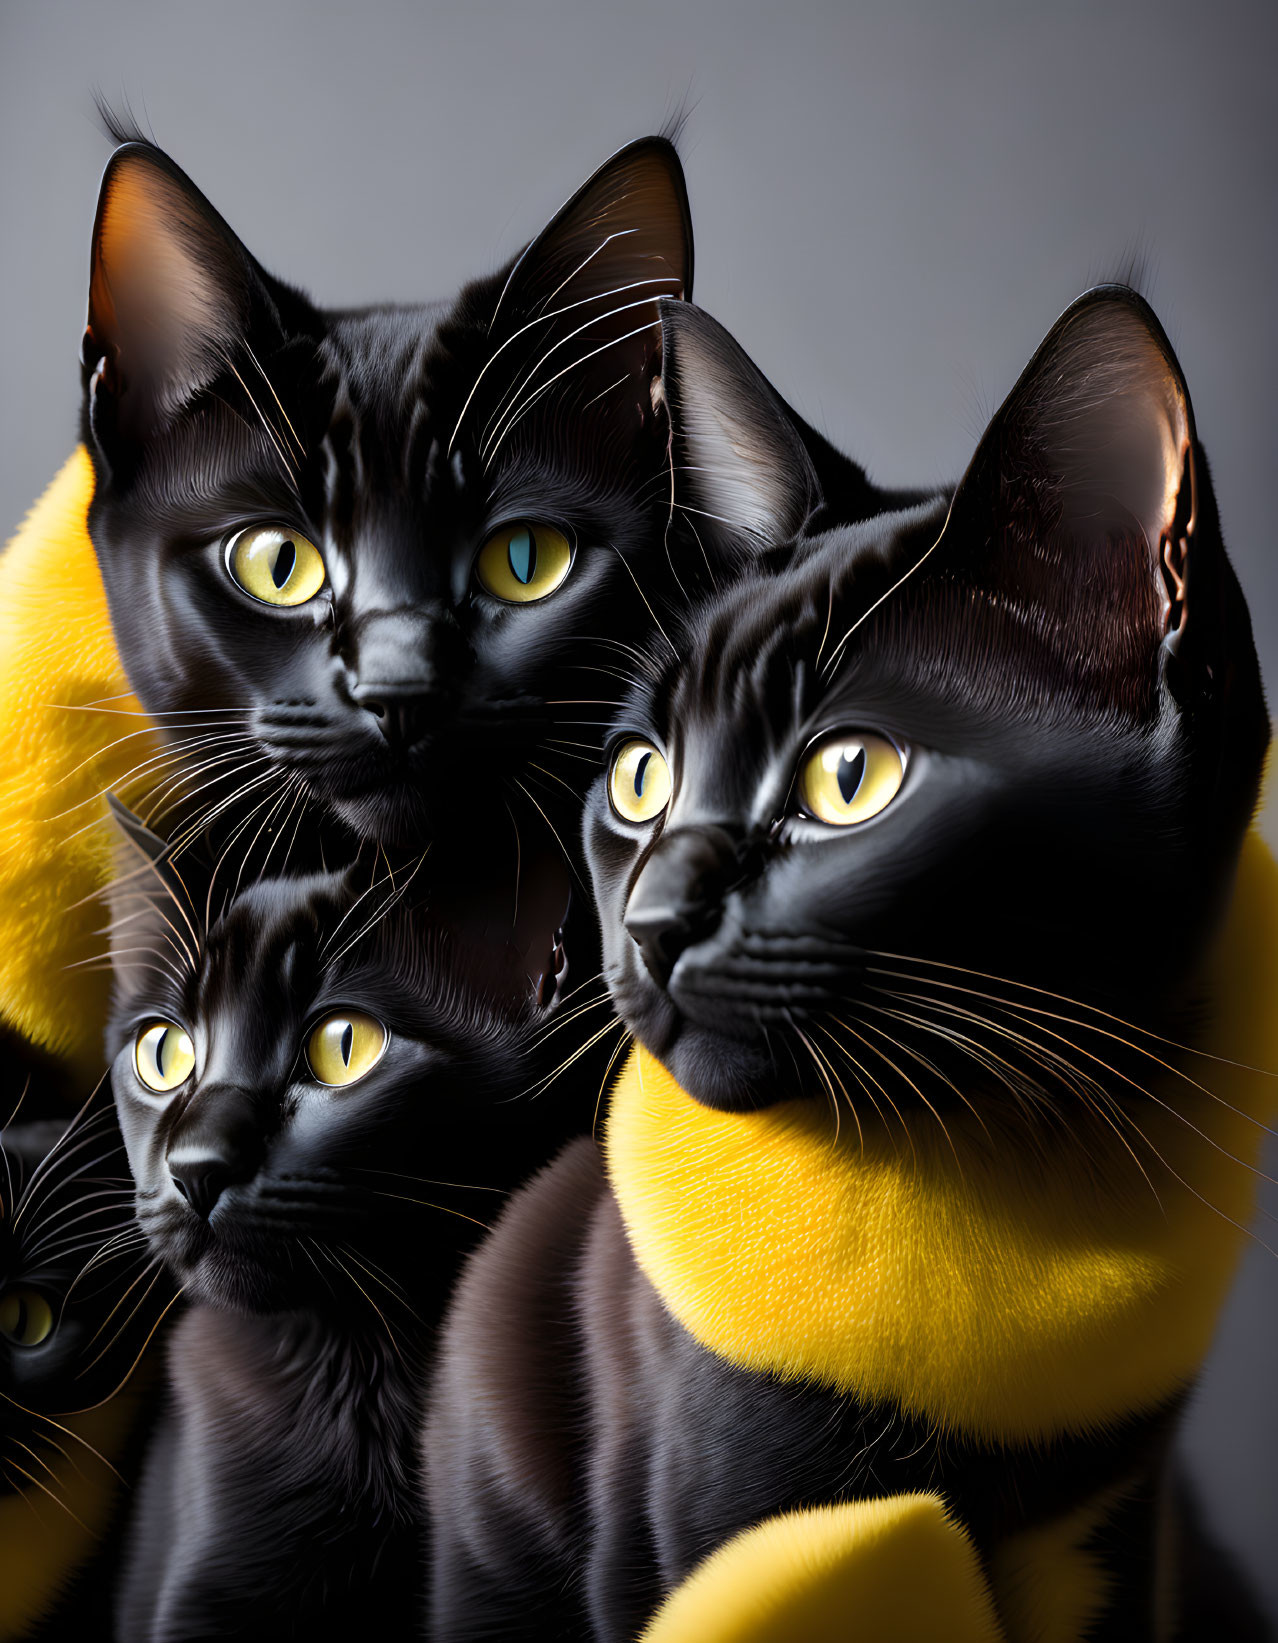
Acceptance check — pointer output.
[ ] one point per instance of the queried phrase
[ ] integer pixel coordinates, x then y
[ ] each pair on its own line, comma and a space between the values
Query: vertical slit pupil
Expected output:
348, 1043
521, 551
641, 773
20, 1327
159, 1053
851, 773
285, 559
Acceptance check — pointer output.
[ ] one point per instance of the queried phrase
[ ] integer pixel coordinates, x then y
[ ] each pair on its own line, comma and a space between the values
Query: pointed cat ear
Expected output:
575, 326
625, 236
738, 458
1083, 496
154, 902
170, 293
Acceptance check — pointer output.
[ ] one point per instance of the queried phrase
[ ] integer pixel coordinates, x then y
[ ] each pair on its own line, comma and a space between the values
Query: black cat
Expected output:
78, 1302
308, 1072
377, 557
902, 862
1057, 698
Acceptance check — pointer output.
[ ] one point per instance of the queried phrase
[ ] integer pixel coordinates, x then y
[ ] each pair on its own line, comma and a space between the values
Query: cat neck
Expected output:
304, 1396
1002, 1291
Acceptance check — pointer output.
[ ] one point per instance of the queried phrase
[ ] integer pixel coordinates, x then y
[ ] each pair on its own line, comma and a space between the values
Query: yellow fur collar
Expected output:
901, 1566
57, 657
1013, 1297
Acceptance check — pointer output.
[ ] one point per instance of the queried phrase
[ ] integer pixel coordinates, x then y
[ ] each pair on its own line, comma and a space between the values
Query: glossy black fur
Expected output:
1084, 746
1063, 651
279, 1497
404, 701
583, 1471
66, 1233
403, 684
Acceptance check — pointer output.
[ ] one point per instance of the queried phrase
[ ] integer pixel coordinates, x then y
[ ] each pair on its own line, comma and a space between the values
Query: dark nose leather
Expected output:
217, 1143
677, 899
403, 715
401, 666
201, 1181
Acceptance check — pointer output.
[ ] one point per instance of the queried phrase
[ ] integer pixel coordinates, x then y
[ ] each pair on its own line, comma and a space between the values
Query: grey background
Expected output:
891, 203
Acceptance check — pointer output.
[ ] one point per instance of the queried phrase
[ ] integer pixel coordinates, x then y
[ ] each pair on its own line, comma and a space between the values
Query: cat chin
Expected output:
731, 1071
225, 1273
729, 1074
397, 816
236, 1283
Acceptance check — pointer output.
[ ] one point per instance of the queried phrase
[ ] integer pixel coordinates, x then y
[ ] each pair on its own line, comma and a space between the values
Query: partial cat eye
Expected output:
523, 562
278, 567
164, 1056
849, 777
346, 1046
639, 782
26, 1318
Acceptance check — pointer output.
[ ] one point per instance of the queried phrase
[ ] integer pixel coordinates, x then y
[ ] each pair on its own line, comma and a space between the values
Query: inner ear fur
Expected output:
738, 461
170, 290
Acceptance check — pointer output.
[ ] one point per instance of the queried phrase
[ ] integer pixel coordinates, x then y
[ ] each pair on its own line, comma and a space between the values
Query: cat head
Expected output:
381, 557
77, 1302
905, 773
308, 1069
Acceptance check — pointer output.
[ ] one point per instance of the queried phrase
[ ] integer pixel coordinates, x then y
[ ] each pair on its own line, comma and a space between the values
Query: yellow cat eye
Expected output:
26, 1318
849, 777
277, 566
345, 1046
639, 782
164, 1056
523, 562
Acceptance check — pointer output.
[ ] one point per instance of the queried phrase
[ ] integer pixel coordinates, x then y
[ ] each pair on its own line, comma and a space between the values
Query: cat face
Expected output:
75, 1303
911, 774
304, 1077
383, 558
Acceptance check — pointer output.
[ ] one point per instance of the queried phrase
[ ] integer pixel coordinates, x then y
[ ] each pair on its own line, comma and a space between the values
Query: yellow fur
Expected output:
885, 1571
1050, 1584
42, 1543
985, 1289
57, 653
988, 1291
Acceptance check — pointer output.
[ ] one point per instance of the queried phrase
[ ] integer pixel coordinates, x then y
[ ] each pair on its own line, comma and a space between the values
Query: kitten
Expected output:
903, 862
78, 1302
309, 1073
373, 556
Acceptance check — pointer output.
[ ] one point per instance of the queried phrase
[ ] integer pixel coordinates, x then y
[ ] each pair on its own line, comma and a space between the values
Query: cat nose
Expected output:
677, 900
403, 713
217, 1144
403, 667
201, 1181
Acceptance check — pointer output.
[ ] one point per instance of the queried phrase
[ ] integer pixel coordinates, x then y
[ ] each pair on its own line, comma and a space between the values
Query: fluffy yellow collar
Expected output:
999, 1293
69, 731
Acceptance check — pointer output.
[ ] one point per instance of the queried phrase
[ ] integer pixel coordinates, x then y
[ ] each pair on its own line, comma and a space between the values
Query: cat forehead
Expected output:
385, 356
273, 929
287, 941
768, 648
